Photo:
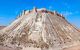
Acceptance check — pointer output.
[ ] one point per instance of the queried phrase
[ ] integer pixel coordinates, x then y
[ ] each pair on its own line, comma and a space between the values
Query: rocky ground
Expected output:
6, 48
1, 27
73, 48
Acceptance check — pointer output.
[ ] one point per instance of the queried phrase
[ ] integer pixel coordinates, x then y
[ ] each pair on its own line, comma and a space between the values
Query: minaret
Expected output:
34, 9
23, 12
55, 12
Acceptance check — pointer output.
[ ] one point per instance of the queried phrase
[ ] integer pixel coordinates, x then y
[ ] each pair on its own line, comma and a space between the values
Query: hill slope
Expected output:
40, 29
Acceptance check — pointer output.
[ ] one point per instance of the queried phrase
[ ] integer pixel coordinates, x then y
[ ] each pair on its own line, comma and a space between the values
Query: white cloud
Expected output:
1, 17
66, 13
69, 13
50, 7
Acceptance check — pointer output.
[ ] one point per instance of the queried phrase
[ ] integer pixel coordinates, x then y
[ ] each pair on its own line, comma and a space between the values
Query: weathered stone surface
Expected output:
40, 29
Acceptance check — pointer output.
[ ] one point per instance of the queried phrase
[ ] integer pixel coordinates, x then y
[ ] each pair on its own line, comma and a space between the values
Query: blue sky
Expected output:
9, 9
